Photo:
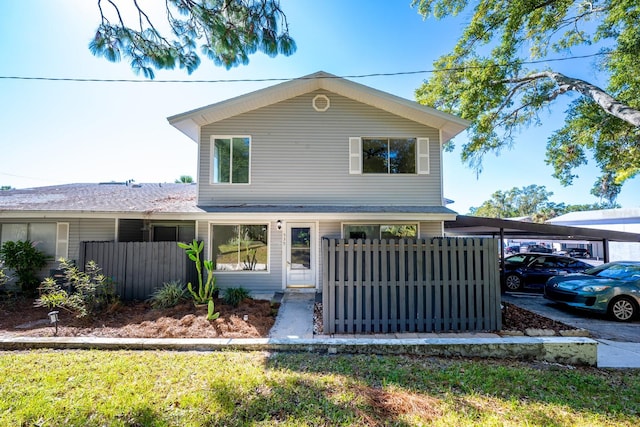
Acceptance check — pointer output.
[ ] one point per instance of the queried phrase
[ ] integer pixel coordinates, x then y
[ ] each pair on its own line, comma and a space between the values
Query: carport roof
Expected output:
481, 226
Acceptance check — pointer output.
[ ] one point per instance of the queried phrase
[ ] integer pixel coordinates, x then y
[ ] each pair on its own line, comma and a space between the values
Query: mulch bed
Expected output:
19, 317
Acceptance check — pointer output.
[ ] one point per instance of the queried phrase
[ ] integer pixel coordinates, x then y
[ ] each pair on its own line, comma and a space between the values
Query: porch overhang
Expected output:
343, 212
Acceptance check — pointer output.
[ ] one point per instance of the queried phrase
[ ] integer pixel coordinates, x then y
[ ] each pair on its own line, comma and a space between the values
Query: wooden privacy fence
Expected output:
435, 285
138, 268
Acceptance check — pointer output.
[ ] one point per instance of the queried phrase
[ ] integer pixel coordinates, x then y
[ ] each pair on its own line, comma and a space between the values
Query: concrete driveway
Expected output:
599, 326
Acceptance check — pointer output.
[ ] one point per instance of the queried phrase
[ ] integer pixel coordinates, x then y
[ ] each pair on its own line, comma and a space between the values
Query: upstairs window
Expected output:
388, 155
231, 160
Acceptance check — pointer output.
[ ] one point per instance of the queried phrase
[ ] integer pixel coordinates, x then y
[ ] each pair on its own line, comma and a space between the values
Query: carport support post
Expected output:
605, 250
501, 249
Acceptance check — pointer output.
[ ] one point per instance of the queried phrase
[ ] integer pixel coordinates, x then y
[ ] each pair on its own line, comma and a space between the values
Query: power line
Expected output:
352, 76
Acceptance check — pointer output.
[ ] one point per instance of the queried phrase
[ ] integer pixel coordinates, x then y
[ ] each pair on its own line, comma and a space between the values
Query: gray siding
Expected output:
431, 229
299, 155
89, 230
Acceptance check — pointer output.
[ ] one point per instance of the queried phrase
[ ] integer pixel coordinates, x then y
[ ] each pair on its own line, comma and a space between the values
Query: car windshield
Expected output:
616, 271
518, 259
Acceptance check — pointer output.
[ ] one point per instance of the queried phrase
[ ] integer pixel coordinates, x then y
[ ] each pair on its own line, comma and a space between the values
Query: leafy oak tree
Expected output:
494, 77
533, 201
225, 31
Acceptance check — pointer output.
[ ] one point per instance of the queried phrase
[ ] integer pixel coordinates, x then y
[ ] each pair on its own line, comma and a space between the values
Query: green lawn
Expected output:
126, 388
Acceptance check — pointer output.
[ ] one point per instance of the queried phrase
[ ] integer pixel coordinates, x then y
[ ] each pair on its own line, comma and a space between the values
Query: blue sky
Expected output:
65, 132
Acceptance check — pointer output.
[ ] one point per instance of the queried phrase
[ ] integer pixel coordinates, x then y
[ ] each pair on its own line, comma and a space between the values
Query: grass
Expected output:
124, 388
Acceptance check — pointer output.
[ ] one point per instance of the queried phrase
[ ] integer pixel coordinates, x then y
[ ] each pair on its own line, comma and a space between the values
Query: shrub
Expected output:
234, 296
169, 295
81, 293
3, 276
26, 260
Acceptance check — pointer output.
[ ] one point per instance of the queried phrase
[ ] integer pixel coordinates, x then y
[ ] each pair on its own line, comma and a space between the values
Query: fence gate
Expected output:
433, 285
138, 268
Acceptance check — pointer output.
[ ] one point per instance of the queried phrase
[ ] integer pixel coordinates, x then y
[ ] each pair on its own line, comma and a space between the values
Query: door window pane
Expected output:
300, 248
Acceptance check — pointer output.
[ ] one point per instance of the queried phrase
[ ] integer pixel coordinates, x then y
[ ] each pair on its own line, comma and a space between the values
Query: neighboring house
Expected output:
58, 218
278, 170
622, 219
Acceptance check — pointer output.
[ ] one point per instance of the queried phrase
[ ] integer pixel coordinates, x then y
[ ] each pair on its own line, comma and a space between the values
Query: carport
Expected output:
465, 226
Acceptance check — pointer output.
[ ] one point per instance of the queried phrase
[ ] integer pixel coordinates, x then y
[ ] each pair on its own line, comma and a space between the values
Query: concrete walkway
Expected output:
295, 316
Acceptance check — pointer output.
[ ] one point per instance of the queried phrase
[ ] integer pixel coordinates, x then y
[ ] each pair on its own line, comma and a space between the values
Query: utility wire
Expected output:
353, 76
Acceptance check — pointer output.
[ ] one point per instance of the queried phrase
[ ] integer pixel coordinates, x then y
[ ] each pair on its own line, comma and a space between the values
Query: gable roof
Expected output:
190, 122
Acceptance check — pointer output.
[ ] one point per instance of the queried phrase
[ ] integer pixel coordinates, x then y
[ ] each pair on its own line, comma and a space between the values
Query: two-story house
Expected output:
278, 170
318, 156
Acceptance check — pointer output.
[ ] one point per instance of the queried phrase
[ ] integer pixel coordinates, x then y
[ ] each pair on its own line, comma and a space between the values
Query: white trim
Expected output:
62, 240
355, 155
212, 153
315, 258
422, 156
440, 166
321, 109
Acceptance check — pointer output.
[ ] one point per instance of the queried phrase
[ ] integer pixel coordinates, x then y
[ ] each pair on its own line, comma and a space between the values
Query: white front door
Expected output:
300, 255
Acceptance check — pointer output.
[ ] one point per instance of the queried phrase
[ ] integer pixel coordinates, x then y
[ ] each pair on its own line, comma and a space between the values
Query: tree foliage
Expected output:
184, 179
227, 32
490, 79
531, 201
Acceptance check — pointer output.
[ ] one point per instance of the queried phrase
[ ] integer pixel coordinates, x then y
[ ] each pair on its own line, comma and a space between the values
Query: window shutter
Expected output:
355, 154
62, 240
423, 156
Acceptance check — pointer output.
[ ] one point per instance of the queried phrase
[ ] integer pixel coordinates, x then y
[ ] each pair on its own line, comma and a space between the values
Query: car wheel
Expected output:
623, 309
513, 282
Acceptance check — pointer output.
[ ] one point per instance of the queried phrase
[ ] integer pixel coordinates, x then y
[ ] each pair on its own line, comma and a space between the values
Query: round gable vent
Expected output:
321, 103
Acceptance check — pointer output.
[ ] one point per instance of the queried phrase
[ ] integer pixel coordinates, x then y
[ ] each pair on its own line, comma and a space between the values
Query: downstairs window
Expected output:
240, 247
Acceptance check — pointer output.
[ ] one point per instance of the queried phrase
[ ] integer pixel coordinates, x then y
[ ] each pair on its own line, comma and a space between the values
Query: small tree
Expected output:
26, 260
83, 293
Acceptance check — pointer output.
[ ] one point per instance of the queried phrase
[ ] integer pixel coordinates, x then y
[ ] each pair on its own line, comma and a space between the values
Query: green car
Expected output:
612, 288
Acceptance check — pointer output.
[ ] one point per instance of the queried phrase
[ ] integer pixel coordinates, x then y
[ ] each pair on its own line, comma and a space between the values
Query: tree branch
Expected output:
607, 102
